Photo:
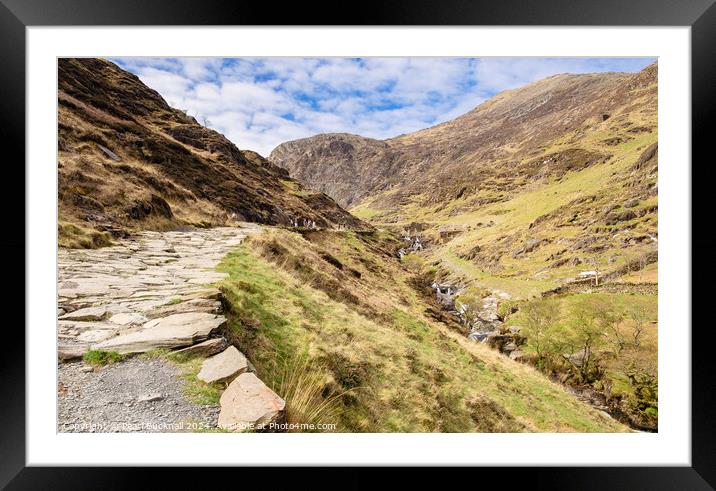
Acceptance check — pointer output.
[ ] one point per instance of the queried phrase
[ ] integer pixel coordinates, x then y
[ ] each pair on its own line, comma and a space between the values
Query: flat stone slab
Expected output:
88, 314
128, 319
248, 404
205, 348
223, 367
82, 287
96, 335
174, 331
193, 305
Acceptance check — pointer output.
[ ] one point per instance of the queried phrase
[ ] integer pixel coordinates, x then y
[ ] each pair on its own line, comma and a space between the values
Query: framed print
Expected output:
437, 236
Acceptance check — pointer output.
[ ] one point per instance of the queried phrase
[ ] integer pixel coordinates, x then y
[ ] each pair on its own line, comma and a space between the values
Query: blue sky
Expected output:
261, 102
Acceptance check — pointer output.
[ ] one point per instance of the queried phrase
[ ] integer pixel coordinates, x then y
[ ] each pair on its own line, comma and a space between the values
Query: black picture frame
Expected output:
16, 15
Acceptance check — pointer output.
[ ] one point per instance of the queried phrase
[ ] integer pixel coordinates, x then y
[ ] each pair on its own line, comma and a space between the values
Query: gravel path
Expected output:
142, 293
136, 395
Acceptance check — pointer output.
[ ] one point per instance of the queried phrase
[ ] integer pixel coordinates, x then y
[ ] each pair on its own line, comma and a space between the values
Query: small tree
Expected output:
639, 315
588, 323
539, 319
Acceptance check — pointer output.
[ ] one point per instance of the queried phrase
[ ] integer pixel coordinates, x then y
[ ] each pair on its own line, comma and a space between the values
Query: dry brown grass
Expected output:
74, 236
306, 389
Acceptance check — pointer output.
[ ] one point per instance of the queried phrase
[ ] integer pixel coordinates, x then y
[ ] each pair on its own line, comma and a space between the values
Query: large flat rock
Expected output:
90, 313
223, 367
248, 404
174, 331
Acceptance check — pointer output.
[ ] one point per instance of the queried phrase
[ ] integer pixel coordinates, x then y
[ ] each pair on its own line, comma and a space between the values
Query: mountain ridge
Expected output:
479, 132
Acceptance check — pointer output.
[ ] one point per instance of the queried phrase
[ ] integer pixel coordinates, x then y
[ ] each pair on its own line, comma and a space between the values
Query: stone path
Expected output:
141, 294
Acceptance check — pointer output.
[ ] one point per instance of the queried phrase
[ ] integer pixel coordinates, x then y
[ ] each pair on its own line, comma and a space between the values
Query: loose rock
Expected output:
223, 367
205, 348
247, 404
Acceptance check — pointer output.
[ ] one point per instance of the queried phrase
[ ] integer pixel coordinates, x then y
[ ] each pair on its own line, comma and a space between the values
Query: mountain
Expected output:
128, 161
533, 218
531, 183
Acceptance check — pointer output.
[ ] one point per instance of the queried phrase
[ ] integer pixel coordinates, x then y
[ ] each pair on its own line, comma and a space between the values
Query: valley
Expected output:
549, 190
494, 273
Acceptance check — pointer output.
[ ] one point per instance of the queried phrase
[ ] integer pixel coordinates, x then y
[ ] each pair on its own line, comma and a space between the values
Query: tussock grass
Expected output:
306, 390
74, 236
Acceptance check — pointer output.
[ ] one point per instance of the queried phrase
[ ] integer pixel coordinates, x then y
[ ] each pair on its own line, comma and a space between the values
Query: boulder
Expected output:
615, 218
247, 404
71, 352
497, 340
205, 348
174, 331
509, 347
529, 246
478, 336
223, 367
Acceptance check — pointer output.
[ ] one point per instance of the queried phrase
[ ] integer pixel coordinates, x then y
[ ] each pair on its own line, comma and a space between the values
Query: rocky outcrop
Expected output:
347, 177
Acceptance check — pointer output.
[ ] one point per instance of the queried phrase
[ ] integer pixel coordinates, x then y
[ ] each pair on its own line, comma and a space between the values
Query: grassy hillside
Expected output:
513, 202
128, 161
341, 304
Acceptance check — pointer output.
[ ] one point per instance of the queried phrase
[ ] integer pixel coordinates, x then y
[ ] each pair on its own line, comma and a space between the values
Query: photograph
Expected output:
327, 244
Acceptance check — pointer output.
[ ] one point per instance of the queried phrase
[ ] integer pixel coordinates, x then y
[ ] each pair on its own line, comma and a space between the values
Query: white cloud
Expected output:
260, 103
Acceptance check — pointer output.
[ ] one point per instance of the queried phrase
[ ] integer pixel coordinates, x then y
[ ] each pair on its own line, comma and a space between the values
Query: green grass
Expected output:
196, 390
99, 357
500, 228
365, 212
518, 288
